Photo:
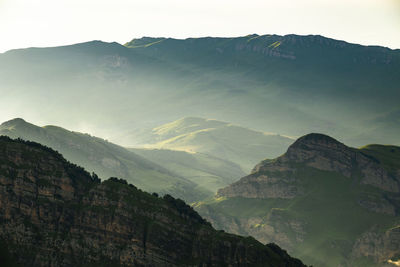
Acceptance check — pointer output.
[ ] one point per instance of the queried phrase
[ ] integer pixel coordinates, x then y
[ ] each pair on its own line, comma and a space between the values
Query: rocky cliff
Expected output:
325, 202
276, 178
54, 213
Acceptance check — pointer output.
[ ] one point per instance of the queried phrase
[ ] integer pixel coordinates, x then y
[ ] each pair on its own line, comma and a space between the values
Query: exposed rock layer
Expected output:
330, 204
276, 178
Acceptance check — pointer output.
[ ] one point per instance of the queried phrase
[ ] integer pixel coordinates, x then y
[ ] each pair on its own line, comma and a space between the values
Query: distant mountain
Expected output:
105, 158
54, 213
284, 84
207, 172
240, 145
330, 204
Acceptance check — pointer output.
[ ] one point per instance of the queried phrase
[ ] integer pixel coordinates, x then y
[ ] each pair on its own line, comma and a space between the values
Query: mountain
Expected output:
325, 202
284, 84
207, 172
54, 213
105, 158
240, 145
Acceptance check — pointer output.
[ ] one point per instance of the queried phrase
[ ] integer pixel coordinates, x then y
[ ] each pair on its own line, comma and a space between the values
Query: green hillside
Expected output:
208, 172
289, 84
322, 201
240, 145
388, 156
105, 159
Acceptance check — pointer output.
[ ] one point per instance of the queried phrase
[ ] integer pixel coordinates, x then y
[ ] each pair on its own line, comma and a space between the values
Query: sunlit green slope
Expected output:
240, 145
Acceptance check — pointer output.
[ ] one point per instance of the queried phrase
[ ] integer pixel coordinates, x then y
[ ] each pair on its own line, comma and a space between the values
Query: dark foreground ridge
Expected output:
54, 213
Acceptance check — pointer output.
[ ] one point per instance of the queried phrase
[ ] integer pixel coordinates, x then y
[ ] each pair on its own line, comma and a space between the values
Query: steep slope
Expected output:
327, 203
240, 145
55, 213
288, 84
105, 158
208, 172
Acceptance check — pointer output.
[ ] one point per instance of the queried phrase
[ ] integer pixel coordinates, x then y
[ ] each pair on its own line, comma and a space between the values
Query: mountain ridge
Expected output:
149, 39
324, 153
240, 145
59, 214
323, 201
300, 85
104, 158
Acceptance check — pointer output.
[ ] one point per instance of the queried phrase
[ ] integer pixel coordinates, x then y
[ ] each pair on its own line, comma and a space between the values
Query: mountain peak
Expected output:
14, 122
191, 120
316, 139
191, 123
144, 42
317, 146
274, 178
19, 124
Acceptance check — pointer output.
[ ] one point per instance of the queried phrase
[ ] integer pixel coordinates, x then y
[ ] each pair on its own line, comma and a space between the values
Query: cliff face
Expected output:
277, 179
377, 245
325, 202
54, 213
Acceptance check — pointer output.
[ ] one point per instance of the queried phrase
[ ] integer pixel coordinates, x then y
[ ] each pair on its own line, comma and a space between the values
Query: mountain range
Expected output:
222, 123
106, 159
214, 162
289, 84
297, 200
54, 213
325, 202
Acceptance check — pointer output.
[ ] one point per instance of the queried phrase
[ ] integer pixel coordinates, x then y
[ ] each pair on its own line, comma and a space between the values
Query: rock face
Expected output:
324, 202
325, 153
277, 179
377, 245
54, 213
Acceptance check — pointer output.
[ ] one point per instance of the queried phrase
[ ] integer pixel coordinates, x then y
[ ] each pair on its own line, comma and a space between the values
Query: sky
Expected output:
41, 23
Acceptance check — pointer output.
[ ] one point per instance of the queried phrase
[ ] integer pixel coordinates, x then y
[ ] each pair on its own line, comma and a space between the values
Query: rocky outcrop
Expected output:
319, 201
325, 153
383, 247
275, 227
54, 213
277, 178
262, 186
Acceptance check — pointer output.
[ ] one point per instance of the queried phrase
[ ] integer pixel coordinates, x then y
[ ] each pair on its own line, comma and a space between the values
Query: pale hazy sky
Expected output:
26, 23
